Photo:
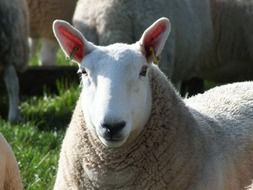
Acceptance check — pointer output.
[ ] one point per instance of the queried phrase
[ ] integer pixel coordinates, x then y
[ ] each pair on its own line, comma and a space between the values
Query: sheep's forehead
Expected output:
116, 56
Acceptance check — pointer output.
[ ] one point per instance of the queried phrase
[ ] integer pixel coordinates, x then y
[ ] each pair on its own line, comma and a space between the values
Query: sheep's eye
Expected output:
143, 71
81, 71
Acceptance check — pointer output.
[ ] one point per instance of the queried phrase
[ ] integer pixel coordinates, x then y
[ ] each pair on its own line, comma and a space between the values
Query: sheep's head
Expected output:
116, 91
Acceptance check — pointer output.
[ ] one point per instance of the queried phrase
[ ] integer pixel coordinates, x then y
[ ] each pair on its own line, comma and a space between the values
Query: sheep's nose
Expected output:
112, 129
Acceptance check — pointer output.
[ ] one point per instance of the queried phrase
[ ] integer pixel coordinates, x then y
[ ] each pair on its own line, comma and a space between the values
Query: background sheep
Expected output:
131, 129
111, 21
13, 49
9, 172
211, 40
231, 55
42, 15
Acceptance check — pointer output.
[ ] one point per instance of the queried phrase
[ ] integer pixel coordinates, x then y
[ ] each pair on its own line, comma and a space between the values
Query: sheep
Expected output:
13, 49
9, 173
110, 21
42, 15
132, 130
210, 40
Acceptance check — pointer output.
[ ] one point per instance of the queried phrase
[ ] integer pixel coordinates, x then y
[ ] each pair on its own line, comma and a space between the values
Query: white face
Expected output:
116, 94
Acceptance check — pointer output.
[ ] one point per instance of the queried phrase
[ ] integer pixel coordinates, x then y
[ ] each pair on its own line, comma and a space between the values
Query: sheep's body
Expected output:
13, 48
124, 21
209, 40
205, 145
225, 118
42, 14
9, 172
132, 130
231, 54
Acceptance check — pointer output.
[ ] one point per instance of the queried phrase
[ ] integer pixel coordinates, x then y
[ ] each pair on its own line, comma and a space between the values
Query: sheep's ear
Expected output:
154, 37
71, 41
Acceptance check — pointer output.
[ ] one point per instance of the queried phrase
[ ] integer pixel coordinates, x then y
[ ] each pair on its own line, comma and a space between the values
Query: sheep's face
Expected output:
116, 94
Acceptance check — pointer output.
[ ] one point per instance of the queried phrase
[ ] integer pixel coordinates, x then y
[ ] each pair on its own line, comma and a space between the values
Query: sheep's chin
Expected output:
112, 144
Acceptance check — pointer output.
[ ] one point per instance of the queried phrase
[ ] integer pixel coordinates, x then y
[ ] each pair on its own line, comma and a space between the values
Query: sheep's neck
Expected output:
164, 156
160, 156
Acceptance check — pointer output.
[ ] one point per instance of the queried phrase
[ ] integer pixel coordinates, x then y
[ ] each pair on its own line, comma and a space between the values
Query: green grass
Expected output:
37, 153
55, 110
36, 141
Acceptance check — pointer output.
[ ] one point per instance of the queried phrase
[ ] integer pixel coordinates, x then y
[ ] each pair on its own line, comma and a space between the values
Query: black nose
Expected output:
111, 129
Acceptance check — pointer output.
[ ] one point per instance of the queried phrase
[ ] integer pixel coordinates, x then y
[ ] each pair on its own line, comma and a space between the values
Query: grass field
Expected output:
36, 141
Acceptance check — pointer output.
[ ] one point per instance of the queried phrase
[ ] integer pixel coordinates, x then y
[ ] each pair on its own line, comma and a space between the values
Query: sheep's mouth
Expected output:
110, 136
113, 139
113, 142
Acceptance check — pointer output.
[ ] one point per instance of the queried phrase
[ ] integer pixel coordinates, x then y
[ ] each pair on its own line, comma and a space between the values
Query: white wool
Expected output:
201, 143
9, 172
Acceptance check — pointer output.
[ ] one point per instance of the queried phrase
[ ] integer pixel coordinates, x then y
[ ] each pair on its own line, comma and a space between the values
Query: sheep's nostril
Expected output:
112, 129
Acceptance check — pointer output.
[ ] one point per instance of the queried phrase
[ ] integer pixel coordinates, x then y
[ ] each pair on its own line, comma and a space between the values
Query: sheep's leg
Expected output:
48, 52
33, 46
12, 86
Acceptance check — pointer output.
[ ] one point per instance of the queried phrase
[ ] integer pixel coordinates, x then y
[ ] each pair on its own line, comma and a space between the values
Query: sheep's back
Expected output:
228, 110
225, 117
44, 12
232, 100
232, 55
13, 33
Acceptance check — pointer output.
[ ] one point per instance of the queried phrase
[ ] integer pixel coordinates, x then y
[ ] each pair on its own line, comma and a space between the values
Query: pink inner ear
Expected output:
71, 42
152, 38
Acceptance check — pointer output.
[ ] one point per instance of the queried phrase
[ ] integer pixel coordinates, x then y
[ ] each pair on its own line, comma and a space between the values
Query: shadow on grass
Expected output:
47, 112
52, 112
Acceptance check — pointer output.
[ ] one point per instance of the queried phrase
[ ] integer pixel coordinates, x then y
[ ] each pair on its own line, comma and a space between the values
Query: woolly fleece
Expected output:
44, 12
204, 143
9, 172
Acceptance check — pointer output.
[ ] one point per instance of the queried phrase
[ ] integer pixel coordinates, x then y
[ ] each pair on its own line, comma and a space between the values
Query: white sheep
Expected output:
211, 40
42, 14
131, 129
9, 173
111, 21
13, 49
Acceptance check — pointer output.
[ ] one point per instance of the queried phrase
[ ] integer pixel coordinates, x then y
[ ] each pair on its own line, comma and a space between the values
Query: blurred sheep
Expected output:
9, 172
42, 14
13, 49
210, 40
